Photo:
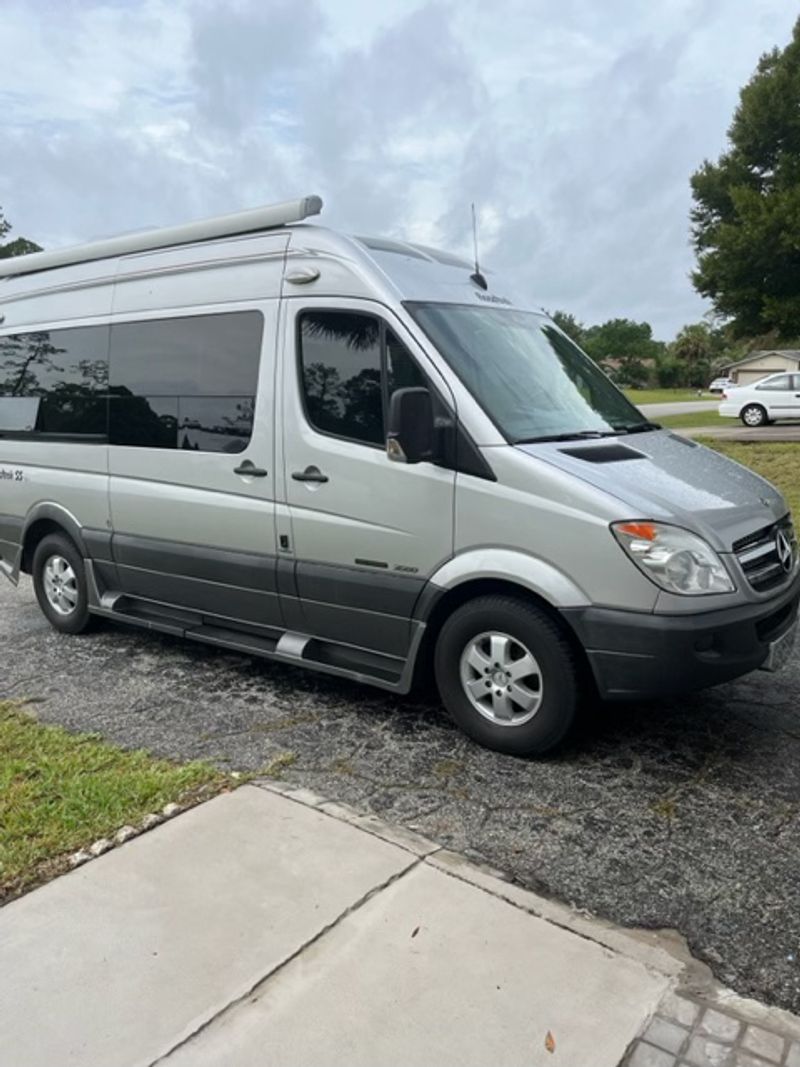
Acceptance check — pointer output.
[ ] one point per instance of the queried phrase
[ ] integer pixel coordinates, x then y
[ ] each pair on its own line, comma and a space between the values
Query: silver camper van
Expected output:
366, 457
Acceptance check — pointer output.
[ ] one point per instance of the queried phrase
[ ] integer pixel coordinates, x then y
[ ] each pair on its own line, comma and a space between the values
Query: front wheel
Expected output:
753, 415
507, 675
59, 581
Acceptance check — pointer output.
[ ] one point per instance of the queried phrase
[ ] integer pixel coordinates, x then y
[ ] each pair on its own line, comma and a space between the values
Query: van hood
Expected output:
661, 476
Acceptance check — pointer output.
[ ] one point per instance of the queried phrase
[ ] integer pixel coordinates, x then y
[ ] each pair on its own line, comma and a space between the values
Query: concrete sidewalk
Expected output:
268, 927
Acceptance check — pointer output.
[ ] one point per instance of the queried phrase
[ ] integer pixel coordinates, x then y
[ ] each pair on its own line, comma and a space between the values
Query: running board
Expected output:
329, 657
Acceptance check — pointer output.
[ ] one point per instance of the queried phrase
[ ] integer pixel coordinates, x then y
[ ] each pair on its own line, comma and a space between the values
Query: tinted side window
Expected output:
340, 358
350, 365
186, 383
401, 370
203, 355
55, 381
783, 381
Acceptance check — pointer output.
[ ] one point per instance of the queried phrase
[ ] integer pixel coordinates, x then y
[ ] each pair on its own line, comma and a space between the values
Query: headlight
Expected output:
678, 561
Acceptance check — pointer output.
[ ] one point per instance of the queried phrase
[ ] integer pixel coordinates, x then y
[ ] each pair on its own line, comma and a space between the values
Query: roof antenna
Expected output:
477, 277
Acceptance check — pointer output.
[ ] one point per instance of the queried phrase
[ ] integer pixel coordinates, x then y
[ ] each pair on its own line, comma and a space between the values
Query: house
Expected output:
763, 362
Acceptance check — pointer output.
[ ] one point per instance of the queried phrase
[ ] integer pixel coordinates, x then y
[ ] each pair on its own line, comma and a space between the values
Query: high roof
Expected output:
405, 248
356, 266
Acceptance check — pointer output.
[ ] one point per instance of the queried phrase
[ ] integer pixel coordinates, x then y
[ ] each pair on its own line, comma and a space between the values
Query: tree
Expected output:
670, 372
746, 218
624, 348
23, 359
695, 350
569, 324
21, 246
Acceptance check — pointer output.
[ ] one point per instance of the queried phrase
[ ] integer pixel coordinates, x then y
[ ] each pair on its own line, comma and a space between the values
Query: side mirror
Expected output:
410, 436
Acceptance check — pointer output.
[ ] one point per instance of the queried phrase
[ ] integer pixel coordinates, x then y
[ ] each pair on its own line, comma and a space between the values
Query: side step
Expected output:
329, 657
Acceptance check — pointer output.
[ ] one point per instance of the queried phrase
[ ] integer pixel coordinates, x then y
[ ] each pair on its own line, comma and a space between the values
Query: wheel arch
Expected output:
44, 519
531, 580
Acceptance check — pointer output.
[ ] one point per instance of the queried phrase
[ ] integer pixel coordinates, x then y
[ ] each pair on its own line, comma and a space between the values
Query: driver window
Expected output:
350, 364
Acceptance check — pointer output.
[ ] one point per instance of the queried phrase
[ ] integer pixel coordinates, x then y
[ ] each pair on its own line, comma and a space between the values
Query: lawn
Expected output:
60, 792
664, 396
775, 461
697, 418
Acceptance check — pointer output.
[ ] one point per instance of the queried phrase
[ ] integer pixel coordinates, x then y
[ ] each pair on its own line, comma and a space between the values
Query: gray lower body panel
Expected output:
343, 620
236, 585
213, 598
10, 546
336, 657
363, 608
371, 608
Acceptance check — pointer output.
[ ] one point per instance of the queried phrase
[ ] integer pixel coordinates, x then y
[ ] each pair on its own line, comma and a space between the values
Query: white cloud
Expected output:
573, 126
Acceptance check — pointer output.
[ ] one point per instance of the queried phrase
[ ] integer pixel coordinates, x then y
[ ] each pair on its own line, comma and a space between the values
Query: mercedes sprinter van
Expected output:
364, 456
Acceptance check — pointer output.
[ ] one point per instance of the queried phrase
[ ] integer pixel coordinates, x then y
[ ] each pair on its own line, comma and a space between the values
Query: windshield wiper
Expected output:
577, 435
588, 435
640, 427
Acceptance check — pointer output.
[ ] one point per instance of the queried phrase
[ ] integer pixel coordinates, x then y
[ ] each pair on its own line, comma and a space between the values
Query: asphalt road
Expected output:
781, 433
683, 814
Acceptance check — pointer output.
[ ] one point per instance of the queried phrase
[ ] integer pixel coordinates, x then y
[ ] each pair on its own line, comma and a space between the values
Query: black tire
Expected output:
467, 632
753, 415
71, 619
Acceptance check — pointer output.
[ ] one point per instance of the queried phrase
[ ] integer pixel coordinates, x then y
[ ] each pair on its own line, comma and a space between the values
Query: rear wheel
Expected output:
753, 415
507, 675
59, 581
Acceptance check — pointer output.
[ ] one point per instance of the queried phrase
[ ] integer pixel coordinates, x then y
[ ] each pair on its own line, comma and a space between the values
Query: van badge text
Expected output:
489, 299
7, 474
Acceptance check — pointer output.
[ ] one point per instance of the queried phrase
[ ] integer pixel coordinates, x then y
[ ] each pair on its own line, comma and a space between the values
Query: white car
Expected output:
775, 397
719, 385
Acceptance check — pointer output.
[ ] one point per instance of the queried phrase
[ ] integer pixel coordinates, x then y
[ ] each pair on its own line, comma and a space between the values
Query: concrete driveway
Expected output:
683, 814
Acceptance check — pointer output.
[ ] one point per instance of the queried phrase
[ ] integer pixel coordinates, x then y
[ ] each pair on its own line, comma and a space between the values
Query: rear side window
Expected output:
187, 383
350, 364
168, 383
782, 381
55, 382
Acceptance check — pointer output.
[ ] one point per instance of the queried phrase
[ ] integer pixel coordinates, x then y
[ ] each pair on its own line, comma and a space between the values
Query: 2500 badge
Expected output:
9, 474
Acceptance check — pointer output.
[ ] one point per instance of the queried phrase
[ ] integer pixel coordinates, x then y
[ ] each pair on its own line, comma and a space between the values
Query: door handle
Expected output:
310, 474
249, 469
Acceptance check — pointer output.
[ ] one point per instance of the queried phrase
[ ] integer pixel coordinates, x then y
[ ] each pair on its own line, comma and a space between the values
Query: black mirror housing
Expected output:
411, 436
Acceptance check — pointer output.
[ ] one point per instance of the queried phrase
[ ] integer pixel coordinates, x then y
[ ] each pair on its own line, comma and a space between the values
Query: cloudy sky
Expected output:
573, 124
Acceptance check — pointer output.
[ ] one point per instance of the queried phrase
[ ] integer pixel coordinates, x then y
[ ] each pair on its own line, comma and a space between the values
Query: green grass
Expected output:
776, 461
663, 396
696, 418
59, 792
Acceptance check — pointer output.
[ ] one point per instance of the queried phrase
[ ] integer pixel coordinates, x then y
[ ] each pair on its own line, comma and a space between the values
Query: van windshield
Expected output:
532, 381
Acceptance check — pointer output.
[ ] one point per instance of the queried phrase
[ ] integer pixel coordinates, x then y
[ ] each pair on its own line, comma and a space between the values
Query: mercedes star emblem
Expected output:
784, 549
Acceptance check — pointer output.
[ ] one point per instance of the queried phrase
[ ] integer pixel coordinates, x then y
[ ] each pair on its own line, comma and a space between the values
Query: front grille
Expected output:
759, 558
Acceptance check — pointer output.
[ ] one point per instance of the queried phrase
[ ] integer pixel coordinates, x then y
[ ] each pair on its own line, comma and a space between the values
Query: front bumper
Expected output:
636, 655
